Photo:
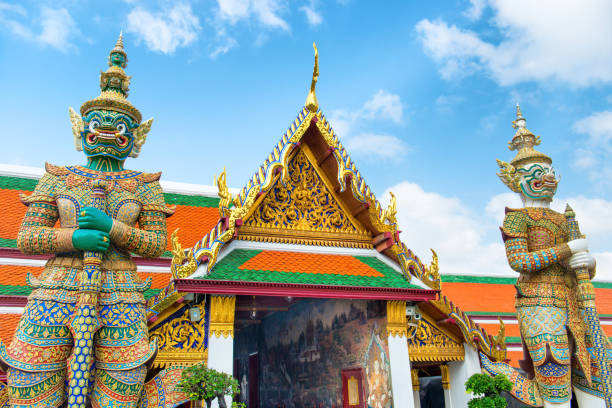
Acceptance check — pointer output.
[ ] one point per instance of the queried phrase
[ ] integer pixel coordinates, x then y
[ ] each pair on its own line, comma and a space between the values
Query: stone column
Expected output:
221, 335
459, 372
416, 387
448, 402
401, 375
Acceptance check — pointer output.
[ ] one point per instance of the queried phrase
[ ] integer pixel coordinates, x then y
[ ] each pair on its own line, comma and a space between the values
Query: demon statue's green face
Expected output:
108, 134
537, 181
117, 59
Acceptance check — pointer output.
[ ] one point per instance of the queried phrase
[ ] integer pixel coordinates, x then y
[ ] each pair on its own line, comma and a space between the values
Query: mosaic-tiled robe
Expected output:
546, 304
43, 341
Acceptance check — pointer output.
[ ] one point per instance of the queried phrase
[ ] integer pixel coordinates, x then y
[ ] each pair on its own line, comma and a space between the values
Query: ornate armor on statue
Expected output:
562, 338
83, 336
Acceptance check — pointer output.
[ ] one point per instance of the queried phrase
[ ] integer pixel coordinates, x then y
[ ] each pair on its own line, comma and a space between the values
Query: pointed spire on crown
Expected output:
118, 49
524, 142
114, 86
311, 100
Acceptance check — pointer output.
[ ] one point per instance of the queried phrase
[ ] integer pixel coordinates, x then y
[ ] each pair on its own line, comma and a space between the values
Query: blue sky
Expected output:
421, 93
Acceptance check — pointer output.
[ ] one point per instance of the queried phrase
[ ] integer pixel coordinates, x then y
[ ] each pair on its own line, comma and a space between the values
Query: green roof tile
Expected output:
17, 183
228, 269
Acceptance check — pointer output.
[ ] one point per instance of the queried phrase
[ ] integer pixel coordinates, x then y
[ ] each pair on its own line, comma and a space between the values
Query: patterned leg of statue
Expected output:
122, 350
545, 334
36, 389
118, 389
37, 355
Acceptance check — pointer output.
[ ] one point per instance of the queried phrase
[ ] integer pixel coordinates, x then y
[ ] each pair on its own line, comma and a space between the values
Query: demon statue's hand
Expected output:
90, 240
92, 218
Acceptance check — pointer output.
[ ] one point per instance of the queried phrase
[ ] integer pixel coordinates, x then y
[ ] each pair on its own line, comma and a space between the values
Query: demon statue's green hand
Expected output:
92, 235
92, 218
90, 240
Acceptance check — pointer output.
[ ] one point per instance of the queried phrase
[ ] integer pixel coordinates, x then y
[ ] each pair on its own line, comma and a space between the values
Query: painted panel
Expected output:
302, 353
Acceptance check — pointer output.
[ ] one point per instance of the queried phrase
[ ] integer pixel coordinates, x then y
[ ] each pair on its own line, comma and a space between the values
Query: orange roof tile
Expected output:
160, 280
479, 297
15, 275
514, 357
193, 223
8, 324
300, 262
13, 212
603, 300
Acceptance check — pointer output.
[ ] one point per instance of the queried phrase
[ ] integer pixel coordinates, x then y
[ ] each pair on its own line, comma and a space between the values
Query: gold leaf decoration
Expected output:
304, 203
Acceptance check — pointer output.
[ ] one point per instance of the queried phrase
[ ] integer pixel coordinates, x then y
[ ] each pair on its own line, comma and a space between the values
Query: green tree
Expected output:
487, 390
205, 384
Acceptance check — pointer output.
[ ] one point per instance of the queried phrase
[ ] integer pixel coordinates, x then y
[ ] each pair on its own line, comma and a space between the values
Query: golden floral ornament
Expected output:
140, 136
226, 199
429, 343
178, 266
222, 310
180, 340
509, 176
396, 318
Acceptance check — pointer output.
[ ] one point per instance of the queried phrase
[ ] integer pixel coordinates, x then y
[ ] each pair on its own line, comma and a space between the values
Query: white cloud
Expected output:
539, 40
265, 12
313, 17
165, 31
475, 10
382, 105
445, 103
431, 220
378, 145
593, 153
56, 25
469, 243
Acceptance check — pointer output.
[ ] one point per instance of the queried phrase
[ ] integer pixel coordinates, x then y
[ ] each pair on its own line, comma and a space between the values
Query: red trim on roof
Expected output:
17, 301
222, 287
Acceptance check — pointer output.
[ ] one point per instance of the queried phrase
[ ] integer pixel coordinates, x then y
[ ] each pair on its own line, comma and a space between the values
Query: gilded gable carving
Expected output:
303, 211
426, 342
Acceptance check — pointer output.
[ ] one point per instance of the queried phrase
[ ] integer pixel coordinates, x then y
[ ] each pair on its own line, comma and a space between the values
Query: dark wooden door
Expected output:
353, 393
254, 381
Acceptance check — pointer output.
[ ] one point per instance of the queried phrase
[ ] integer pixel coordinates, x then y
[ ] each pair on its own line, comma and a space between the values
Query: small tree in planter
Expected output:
489, 389
205, 384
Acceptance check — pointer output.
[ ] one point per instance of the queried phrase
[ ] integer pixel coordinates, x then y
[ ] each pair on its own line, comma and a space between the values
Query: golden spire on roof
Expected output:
311, 100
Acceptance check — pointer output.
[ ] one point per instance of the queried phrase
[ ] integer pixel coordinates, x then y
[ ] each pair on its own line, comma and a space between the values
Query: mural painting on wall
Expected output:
303, 351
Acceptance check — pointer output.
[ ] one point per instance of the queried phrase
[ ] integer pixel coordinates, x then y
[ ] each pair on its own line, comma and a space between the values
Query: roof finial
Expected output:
311, 101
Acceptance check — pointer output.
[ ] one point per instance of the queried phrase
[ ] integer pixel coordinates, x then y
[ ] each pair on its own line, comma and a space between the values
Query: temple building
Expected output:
300, 286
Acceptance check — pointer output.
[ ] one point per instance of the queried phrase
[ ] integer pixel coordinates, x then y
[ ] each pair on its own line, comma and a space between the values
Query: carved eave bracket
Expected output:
396, 318
222, 312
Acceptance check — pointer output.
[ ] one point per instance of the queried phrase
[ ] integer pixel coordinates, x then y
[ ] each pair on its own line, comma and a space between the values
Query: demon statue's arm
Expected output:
37, 234
514, 234
150, 239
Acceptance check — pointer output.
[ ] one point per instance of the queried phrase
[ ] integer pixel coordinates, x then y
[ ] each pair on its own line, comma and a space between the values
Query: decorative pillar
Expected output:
221, 334
448, 402
416, 387
398, 354
459, 372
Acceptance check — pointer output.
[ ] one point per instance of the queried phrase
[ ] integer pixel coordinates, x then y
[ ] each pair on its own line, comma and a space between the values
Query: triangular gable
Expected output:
310, 132
304, 210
